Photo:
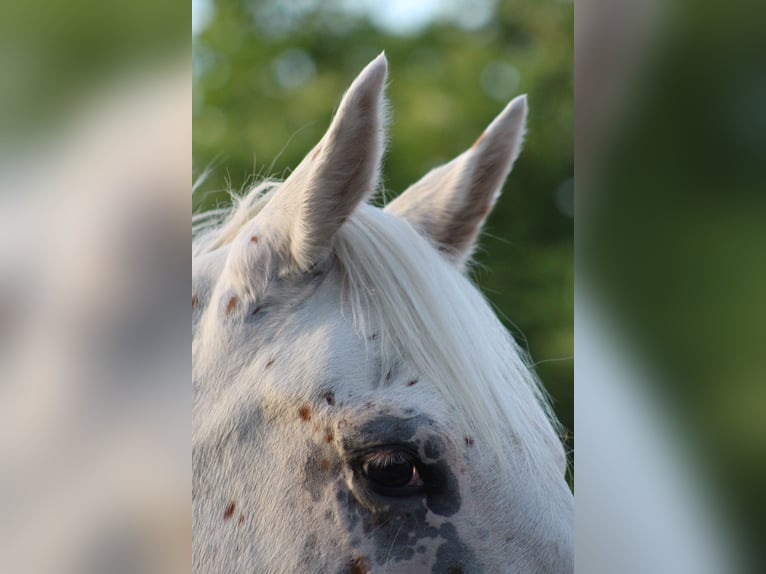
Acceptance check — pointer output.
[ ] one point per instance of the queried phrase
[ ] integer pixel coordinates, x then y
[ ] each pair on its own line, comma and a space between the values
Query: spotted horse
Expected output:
357, 406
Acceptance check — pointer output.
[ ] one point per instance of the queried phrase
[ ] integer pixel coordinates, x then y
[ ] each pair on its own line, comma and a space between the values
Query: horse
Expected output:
357, 405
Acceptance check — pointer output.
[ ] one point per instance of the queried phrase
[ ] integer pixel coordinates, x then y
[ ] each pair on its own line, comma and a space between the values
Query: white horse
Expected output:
357, 405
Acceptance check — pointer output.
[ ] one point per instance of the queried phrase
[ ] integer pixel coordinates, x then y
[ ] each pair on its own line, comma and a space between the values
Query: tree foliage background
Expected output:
269, 74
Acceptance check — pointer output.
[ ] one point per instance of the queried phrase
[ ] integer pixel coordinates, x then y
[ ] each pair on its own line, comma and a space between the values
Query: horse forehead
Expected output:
319, 352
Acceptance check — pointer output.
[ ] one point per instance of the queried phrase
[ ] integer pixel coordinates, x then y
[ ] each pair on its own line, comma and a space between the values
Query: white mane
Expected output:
424, 311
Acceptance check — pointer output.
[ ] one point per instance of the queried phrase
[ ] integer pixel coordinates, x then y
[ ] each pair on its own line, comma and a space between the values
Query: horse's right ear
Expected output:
338, 174
451, 203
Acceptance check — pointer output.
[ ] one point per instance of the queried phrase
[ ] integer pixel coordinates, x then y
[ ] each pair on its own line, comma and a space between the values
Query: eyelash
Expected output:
387, 456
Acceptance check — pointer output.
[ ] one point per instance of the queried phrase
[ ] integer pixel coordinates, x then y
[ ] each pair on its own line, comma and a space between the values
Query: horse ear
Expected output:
340, 172
451, 203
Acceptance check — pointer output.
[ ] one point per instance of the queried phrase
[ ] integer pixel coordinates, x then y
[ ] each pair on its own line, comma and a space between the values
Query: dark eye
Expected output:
392, 473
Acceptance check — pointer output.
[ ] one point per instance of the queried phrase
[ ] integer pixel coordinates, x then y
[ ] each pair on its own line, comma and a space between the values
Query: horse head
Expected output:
357, 405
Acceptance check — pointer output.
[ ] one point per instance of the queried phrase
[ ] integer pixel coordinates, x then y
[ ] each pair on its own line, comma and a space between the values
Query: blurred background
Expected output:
671, 277
95, 130
267, 76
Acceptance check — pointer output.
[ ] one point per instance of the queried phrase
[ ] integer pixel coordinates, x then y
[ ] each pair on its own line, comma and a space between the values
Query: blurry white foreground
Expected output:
95, 469
640, 506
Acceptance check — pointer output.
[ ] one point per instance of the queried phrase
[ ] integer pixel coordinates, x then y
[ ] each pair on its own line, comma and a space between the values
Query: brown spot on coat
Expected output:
231, 305
195, 302
254, 239
358, 566
229, 512
241, 520
324, 466
329, 437
305, 413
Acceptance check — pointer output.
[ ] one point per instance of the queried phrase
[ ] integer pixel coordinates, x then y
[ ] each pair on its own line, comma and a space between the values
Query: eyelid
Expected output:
386, 426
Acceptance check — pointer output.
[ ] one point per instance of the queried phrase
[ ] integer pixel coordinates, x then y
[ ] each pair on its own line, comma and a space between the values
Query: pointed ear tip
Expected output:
378, 67
518, 104
372, 79
513, 118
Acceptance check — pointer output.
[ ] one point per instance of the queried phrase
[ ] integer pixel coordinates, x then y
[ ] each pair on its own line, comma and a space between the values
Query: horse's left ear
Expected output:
451, 203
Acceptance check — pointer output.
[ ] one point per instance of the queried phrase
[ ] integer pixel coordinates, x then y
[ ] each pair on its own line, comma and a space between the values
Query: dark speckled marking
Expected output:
397, 528
329, 398
248, 425
453, 556
444, 501
386, 429
310, 549
433, 448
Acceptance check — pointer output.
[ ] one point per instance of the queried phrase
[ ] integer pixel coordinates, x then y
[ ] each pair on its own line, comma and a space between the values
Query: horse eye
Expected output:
392, 473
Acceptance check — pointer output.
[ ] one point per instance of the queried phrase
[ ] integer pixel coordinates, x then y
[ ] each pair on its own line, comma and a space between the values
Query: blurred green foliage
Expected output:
54, 54
268, 75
